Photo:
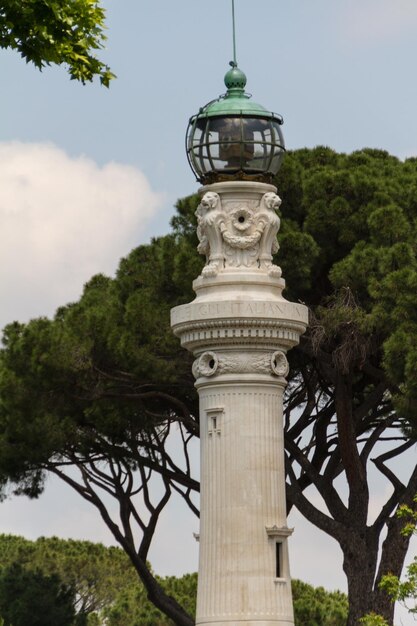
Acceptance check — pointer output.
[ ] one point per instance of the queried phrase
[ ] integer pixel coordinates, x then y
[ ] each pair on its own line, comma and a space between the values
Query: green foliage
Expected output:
29, 598
103, 586
132, 608
373, 619
119, 326
314, 606
400, 591
409, 515
57, 32
406, 590
94, 573
358, 216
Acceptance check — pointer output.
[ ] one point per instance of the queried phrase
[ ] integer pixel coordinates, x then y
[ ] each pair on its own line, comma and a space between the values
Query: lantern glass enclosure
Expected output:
234, 138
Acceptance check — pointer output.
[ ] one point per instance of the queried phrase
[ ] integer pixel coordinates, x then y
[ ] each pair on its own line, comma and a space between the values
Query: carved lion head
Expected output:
272, 201
210, 200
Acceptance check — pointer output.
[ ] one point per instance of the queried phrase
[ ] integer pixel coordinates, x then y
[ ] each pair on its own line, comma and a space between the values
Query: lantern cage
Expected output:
233, 138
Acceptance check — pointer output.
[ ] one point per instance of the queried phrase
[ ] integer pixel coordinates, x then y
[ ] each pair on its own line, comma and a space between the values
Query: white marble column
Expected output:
239, 328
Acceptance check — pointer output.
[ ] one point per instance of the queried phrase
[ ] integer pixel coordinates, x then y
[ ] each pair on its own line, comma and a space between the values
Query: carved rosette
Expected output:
210, 363
238, 233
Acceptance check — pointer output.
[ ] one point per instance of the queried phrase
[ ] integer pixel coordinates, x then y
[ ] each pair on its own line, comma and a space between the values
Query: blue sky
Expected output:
88, 173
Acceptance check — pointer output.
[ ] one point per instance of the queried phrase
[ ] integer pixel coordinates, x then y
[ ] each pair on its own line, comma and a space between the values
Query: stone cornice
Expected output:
237, 332
278, 532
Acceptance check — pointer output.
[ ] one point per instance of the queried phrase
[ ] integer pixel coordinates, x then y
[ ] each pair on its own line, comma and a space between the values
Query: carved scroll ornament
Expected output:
210, 363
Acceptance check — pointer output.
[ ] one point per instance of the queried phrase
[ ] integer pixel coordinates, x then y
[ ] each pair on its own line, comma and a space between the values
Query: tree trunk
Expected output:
393, 553
359, 564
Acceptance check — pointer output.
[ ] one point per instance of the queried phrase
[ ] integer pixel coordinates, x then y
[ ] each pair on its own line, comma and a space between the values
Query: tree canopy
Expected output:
313, 606
355, 379
95, 574
94, 584
47, 32
29, 598
102, 386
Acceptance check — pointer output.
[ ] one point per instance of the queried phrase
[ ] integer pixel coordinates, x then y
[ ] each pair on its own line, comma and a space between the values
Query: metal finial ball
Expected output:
235, 78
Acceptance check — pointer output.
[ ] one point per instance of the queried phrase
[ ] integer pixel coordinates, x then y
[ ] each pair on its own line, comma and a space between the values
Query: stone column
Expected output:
239, 328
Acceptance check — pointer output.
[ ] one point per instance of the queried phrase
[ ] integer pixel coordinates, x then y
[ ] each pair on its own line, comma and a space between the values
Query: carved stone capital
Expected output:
238, 233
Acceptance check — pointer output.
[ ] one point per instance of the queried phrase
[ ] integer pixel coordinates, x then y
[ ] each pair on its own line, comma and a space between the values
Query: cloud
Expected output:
373, 21
62, 219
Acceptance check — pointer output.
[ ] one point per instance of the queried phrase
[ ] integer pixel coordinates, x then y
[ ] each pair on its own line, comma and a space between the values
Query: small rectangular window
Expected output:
214, 418
278, 559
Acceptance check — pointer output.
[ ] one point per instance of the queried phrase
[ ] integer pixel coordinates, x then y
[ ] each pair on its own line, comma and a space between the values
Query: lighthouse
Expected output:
239, 328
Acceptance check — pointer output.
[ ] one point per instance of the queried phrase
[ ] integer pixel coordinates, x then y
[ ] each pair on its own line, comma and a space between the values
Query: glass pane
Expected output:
233, 143
276, 161
260, 158
253, 126
196, 137
278, 139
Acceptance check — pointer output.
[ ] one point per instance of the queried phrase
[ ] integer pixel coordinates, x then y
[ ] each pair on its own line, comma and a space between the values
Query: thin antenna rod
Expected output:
234, 33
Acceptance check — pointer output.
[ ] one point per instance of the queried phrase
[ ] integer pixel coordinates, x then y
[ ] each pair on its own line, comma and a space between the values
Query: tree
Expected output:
314, 606
114, 435
32, 599
132, 608
101, 387
355, 368
107, 591
47, 32
95, 573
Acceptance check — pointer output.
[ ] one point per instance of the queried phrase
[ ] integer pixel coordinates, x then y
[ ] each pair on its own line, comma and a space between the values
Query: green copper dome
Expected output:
233, 137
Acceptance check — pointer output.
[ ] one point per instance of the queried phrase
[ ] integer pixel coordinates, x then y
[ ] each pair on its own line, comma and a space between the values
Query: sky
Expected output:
88, 173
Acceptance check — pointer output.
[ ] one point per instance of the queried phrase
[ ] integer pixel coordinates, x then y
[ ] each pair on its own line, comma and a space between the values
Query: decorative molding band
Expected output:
238, 323
239, 332
210, 363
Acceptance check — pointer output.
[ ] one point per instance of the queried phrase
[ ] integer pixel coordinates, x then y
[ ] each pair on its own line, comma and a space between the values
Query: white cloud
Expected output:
373, 21
62, 219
